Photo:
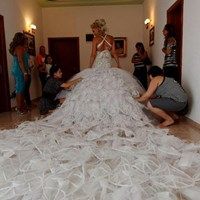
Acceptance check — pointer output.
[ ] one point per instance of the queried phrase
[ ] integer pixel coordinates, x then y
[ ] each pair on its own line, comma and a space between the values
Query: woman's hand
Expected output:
78, 80
26, 76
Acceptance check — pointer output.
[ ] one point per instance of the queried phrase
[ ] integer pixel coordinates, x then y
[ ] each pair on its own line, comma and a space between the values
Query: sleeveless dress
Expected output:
17, 73
99, 145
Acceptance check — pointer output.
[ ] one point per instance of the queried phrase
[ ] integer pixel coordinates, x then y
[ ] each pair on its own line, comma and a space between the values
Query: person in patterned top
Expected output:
170, 66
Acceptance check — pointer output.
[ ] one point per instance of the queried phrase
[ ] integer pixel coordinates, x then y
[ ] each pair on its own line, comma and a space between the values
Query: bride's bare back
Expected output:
104, 43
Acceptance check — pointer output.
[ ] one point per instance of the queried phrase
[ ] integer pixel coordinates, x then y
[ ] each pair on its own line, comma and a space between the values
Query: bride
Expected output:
99, 145
102, 42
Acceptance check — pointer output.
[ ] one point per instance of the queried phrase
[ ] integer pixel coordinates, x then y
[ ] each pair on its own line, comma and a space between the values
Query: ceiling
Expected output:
64, 3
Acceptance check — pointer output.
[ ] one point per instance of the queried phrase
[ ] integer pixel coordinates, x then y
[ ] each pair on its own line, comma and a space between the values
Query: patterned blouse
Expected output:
170, 59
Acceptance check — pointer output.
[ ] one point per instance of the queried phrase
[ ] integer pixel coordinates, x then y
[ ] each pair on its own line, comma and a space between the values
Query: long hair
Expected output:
170, 29
19, 40
141, 46
170, 32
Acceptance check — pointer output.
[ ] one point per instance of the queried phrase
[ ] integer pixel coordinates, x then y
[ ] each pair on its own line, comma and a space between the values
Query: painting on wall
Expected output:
121, 46
151, 36
31, 43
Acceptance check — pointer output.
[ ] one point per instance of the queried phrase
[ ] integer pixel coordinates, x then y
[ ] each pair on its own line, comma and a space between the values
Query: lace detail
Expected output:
103, 59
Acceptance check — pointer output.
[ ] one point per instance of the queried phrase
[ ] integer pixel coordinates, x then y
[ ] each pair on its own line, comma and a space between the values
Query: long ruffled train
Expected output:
98, 145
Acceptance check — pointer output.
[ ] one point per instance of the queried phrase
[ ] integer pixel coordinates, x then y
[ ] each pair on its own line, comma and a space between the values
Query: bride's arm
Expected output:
93, 53
114, 53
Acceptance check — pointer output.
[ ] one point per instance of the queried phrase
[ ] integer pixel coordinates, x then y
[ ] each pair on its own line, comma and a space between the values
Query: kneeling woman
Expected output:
52, 87
164, 96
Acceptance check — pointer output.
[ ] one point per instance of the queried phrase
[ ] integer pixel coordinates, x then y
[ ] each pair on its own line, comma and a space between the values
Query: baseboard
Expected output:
192, 123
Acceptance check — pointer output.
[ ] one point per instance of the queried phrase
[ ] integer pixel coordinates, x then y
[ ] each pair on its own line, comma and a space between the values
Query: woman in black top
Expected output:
140, 60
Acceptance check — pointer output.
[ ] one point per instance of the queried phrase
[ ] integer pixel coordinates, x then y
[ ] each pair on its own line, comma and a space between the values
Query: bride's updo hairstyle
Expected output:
100, 24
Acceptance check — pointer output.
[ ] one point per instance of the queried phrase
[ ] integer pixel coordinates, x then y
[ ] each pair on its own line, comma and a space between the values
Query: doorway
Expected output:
65, 53
175, 17
4, 82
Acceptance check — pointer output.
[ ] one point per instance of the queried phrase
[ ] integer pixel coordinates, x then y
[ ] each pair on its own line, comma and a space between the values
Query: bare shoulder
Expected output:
155, 80
110, 37
19, 50
95, 39
159, 80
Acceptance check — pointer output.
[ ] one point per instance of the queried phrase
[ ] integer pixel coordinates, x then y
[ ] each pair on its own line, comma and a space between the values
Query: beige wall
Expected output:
156, 10
18, 15
124, 21
191, 55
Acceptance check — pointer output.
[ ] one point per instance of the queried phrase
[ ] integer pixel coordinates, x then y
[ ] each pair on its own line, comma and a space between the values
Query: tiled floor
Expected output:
12, 119
184, 129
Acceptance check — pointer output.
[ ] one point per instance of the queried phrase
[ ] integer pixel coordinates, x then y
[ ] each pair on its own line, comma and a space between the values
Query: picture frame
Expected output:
151, 36
121, 46
31, 43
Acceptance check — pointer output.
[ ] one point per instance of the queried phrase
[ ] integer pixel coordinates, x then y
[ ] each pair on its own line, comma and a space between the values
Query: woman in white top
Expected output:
102, 41
48, 62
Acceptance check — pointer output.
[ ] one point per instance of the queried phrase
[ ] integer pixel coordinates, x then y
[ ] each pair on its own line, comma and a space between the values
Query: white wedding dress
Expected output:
99, 145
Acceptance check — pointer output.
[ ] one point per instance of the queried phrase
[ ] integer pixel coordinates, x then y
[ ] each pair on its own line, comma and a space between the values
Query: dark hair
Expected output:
155, 71
19, 40
53, 70
170, 29
46, 57
140, 45
40, 48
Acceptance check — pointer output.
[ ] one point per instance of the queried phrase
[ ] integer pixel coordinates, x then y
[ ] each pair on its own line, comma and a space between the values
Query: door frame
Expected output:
178, 3
4, 70
51, 39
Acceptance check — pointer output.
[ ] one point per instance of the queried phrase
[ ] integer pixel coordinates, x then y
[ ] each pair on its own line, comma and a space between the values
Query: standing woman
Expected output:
41, 65
140, 59
102, 41
18, 48
170, 66
48, 64
29, 63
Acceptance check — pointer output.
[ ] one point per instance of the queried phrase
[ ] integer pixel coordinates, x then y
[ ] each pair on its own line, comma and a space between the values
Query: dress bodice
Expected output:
103, 59
105, 42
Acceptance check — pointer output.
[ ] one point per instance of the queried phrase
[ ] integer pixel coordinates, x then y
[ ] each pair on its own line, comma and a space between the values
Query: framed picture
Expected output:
151, 36
31, 43
121, 46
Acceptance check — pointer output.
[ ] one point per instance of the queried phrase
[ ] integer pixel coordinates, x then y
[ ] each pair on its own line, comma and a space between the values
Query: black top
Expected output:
52, 88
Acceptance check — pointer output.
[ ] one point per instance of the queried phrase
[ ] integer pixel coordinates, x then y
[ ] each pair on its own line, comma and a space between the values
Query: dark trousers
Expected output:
43, 78
27, 90
171, 72
141, 74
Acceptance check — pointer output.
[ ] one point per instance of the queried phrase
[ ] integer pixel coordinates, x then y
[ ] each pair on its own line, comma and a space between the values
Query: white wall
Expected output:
191, 55
124, 21
156, 10
18, 15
